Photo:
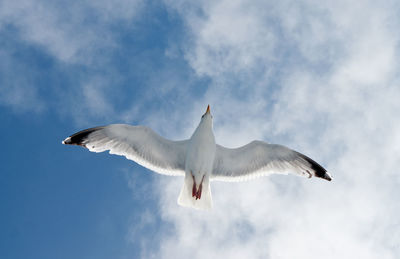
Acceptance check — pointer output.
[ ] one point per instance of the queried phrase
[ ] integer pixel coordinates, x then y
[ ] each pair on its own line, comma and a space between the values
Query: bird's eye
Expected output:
202, 116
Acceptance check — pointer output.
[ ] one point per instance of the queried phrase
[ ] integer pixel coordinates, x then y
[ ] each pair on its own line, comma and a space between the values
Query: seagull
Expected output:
199, 159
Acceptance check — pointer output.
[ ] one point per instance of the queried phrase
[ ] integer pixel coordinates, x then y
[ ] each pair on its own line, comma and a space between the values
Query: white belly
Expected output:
200, 157
196, 191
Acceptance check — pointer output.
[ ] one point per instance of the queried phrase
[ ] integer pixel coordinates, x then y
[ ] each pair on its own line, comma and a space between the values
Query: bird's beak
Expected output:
208, 109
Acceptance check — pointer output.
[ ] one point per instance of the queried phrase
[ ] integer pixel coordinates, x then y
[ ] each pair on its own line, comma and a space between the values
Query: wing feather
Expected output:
259, 159
136, 143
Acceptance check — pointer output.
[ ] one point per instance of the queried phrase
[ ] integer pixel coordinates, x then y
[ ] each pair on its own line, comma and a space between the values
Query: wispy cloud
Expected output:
61, 39
333, 95
73, 31
17, 91
318, 77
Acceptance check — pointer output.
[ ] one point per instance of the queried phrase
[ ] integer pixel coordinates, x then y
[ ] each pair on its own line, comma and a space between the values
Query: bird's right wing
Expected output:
137, 143
259, 159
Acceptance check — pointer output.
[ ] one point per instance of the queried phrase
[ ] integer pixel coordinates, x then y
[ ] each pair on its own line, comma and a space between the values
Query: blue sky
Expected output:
321, 78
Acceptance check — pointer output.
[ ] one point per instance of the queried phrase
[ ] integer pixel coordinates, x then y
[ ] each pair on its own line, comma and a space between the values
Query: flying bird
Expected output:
199, 159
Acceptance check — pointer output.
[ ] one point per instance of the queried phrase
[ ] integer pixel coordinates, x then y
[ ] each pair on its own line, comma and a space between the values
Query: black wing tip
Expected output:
318, 169
67, 141
80, 137
326, 176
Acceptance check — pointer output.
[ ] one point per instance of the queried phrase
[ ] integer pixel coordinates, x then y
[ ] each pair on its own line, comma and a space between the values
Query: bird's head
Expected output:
205, 126
206, 119
207, 115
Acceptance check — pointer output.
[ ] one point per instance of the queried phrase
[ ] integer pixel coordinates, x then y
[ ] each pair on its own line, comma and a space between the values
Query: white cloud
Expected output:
318, 77
218, 43
88, 103
73, 31
74, 34
16, 91
336, 100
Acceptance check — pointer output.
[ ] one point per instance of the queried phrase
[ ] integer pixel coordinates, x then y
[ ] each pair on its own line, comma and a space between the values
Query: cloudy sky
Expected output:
321, 78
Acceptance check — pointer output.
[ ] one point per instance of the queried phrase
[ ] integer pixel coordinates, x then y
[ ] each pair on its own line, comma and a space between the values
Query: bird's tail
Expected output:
187, 199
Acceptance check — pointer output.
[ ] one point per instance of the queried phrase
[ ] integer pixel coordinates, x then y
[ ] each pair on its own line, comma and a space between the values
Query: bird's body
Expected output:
199, 159
198, 166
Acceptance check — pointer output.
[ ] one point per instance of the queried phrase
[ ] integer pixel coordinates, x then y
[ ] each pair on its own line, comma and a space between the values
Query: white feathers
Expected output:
199, 159
185, 198
140, 144
258, 159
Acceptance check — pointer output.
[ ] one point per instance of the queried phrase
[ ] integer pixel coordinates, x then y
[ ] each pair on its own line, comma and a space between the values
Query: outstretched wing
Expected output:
259, 159
137, 143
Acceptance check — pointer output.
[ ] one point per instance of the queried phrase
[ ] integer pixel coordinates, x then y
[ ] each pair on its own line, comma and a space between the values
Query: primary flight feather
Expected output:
199, 159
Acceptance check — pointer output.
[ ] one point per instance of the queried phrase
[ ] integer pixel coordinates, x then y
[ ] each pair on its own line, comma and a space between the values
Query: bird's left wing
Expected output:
258, 159
137, 143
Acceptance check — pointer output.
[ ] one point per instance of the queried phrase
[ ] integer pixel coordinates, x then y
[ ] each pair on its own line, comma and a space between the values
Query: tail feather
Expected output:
202, 201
